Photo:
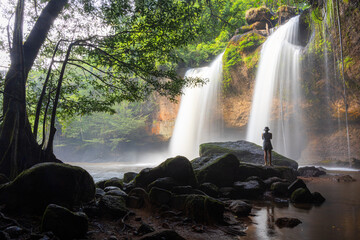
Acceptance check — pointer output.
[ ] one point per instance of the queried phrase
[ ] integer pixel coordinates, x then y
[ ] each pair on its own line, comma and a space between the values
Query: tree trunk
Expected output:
18, 147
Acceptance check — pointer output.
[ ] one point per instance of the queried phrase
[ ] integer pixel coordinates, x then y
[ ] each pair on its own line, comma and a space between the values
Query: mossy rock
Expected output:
222, 171
179, 168
210, 189
113, 206
159, 196
35, 188
204, 209
115, 182
245, 29
280, 189
167, 183
249, 190
246, 152
258, 14
301, 195
64, 223
285, 12
129, 176
240, 208
264, 172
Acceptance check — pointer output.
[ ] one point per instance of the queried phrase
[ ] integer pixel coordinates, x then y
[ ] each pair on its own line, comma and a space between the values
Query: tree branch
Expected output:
38, 107
40, 30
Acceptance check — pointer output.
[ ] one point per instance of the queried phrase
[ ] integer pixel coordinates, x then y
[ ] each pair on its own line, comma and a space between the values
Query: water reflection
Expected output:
337, 218
270, 220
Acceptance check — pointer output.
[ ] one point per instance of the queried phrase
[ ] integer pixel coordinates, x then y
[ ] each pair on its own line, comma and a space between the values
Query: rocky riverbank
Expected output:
209, 197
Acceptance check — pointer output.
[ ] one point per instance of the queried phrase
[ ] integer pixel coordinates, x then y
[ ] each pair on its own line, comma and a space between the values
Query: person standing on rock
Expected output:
267, 147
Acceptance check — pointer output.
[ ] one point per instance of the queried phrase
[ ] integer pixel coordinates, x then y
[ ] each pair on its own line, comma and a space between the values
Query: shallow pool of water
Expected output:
337, 218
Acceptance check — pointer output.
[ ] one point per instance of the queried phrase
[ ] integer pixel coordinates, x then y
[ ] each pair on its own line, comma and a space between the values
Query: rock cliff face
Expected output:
239, 67
162, 121
322, 81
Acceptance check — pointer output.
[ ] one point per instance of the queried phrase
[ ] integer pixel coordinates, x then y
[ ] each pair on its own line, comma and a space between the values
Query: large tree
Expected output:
123, 64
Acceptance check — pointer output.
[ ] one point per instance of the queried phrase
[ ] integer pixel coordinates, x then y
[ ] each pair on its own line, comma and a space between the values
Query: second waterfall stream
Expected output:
277, 94
199, 117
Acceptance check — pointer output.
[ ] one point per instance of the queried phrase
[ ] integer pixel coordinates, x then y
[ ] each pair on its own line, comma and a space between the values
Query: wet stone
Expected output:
144, 229
99, 192
117, 192
287, 222
14, 231
110, 188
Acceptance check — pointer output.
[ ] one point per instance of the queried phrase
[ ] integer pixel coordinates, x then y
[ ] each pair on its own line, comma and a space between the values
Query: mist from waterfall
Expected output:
277, 95
199, 118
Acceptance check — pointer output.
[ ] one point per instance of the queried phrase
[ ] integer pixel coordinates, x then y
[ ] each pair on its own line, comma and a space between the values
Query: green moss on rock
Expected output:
241, 50
245, 151
204, 209
221, 171
64, 223
258, 14
179, 168
46, 183
301, 195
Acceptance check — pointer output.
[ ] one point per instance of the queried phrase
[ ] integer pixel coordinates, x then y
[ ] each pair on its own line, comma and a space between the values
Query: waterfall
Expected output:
277, 95
199, 119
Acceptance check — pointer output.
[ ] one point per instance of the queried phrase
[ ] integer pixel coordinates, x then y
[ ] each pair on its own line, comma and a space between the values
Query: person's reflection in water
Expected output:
270, 220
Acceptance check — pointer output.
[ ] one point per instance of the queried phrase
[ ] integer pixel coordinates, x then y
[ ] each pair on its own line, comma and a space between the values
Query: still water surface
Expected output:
337, 218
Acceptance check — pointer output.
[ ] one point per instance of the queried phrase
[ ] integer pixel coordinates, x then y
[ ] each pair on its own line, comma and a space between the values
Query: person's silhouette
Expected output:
267, 147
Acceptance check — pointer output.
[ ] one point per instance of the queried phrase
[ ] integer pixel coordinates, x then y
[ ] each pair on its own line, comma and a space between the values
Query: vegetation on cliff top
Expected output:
243, 50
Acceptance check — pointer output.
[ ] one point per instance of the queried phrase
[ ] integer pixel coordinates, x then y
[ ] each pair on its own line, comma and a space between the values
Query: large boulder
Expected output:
159, 196
47, 183
285, 12
137, 198
221, 171
179, 168
249, 190
248, 170
310, 172
199, 207
245, 151
203, 208
280, 189
301, 195
129, 176
298, 183
113, 206
240, 208
287, 222
167, 183
258, 14
210, 189
64, 223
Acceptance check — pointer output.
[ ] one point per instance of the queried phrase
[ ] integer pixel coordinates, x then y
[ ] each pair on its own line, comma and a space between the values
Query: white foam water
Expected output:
199, 119
277, 96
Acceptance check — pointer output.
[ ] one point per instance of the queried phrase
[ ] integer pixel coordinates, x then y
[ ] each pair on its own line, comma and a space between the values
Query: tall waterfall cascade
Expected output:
277, 95
199, 118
